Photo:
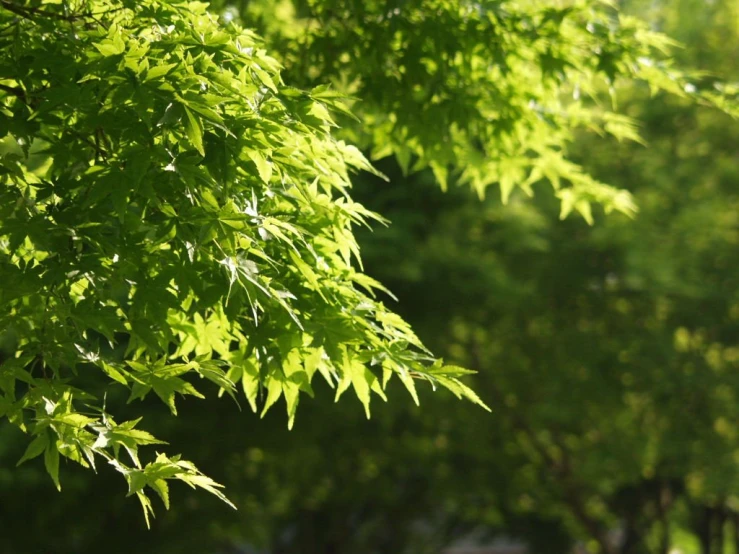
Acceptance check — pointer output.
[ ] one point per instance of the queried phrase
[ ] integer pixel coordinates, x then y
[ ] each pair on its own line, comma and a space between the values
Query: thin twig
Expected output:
28, 13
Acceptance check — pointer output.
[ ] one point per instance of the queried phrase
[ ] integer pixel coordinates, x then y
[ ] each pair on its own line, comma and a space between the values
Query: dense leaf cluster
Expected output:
171, 210
483, 93
174, 217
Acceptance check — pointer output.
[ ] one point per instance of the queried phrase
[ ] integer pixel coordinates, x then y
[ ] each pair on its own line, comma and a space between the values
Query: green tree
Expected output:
607, 353
172, 210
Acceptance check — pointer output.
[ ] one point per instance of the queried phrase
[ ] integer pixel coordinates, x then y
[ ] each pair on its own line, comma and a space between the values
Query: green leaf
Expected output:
449, 370
168, 387
194, 130
162, 489
112, 46
74, 420
114, 373
159, 71
51, 461
146, 507
35, 447
440, 172
264, 78
407, 380
460, 390
264, 167
209, 485
274, 390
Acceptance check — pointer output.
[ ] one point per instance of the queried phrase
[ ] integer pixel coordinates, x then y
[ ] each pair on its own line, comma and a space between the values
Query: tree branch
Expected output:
15, 91
28, 13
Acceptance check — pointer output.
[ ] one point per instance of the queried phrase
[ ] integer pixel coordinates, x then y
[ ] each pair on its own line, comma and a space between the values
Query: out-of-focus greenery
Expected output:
608, 354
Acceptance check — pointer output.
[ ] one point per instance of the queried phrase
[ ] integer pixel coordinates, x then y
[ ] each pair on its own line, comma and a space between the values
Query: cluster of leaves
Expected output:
483, 93
171, 210
610, 354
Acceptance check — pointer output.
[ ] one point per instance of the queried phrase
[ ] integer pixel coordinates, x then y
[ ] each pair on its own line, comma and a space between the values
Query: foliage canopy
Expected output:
173, 213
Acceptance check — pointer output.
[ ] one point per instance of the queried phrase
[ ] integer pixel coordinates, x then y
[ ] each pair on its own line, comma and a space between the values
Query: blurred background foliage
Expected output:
608, 353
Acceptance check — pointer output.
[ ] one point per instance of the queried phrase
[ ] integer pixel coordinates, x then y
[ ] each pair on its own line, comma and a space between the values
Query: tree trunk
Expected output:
663, 501
704, 529
717, 535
